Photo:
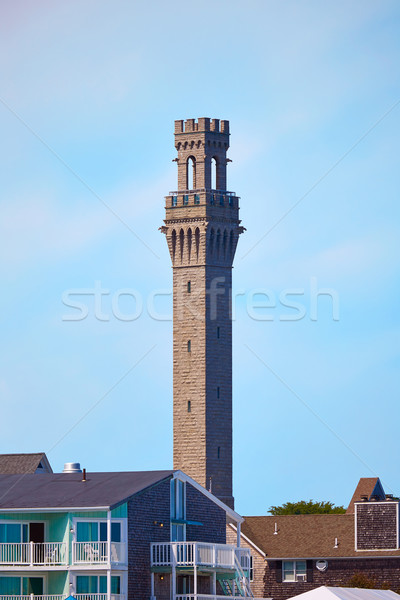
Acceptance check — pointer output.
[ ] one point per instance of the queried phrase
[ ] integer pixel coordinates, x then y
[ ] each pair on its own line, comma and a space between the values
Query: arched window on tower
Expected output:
189, 242
213, 173
224, 241
197, 240
218, 242
173, 240
231, 243
181, 242
211, 242
191, 173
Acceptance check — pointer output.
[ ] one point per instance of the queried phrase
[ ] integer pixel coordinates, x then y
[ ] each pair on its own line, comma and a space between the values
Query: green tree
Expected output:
304, 507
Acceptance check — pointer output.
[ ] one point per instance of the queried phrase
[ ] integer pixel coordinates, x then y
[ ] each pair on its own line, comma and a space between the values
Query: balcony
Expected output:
199, 554
32, 597
31, 554
92, 553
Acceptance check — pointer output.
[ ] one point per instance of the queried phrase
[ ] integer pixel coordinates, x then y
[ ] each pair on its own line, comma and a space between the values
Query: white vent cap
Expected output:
72, 467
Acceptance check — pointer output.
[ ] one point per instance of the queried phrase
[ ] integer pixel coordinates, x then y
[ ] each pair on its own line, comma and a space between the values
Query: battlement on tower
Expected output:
200, 125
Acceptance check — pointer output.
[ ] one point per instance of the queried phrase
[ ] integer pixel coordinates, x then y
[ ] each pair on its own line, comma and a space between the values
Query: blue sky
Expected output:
89, 92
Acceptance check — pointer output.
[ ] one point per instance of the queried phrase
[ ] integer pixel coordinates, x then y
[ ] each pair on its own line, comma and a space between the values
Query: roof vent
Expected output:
72, 468
364, 498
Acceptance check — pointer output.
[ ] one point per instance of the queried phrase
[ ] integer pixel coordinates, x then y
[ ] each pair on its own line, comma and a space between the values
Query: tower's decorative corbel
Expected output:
163, 229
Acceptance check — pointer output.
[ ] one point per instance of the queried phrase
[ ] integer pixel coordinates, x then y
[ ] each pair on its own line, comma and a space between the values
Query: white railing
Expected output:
29, 553
185, 554
97, 552
31, 596
98, 596
210, 597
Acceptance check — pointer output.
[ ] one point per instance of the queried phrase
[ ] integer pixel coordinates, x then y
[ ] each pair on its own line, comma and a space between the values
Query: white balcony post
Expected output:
31, 547
214, 583
173, 571
108, 555
195, 581
152, 586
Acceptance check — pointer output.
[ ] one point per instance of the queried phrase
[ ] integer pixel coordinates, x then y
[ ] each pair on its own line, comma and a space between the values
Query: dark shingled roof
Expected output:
367, 486
22, 463
306, 536
67, 490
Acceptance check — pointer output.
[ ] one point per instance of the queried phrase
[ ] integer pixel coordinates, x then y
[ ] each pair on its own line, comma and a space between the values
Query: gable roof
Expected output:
306, 536
24, 463
67, 490
367, 486
333, 593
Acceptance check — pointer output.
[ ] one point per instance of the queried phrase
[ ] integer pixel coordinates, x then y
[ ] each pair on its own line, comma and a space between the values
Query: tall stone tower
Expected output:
202, 228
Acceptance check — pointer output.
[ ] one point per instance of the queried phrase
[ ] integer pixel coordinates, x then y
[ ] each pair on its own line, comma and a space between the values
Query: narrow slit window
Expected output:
189, 287
189, 346
219, 451
174, 200
185, 200
189, 406
218, 392
218, 332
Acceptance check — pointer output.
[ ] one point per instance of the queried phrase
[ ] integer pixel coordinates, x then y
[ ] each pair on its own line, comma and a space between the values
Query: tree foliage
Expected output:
304, 507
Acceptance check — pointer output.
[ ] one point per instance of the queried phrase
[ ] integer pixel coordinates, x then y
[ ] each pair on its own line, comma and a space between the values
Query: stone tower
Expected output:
202, 228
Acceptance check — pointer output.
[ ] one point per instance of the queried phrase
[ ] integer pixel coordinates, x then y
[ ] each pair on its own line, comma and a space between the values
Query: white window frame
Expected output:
120, 574
26, 575
27, 522
177, 500
123, 522
295, 571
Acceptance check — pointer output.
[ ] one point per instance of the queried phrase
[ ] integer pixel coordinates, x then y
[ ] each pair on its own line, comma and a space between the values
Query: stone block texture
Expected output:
202, 228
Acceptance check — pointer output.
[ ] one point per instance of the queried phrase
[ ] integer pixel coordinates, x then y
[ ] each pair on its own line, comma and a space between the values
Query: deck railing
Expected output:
186, 554
29, 553
33, 597
89, 553
98, 596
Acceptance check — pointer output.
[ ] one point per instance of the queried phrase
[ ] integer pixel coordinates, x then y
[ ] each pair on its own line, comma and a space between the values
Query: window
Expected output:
13, 533
189, 406
219, 452
251, 569
218, 392
14, 586
97, 584
212, 199
189, 287
96, 531
221, 200
230, 201
178, 510
174, 200
189, 346
294, 570
218, 333
185, 200
196, 199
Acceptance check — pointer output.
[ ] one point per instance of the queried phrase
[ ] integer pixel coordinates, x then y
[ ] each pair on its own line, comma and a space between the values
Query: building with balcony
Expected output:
116, 536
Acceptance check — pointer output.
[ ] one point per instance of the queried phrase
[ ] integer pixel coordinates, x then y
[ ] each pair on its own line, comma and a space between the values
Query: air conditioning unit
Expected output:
301, 577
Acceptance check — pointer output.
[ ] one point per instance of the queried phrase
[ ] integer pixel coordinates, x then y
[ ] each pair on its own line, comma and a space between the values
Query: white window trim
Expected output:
295, 580
123, 521
27, 522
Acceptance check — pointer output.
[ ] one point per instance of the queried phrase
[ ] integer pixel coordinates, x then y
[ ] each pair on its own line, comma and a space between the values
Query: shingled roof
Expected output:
305, 536
24, 463
68, 490
368, 487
